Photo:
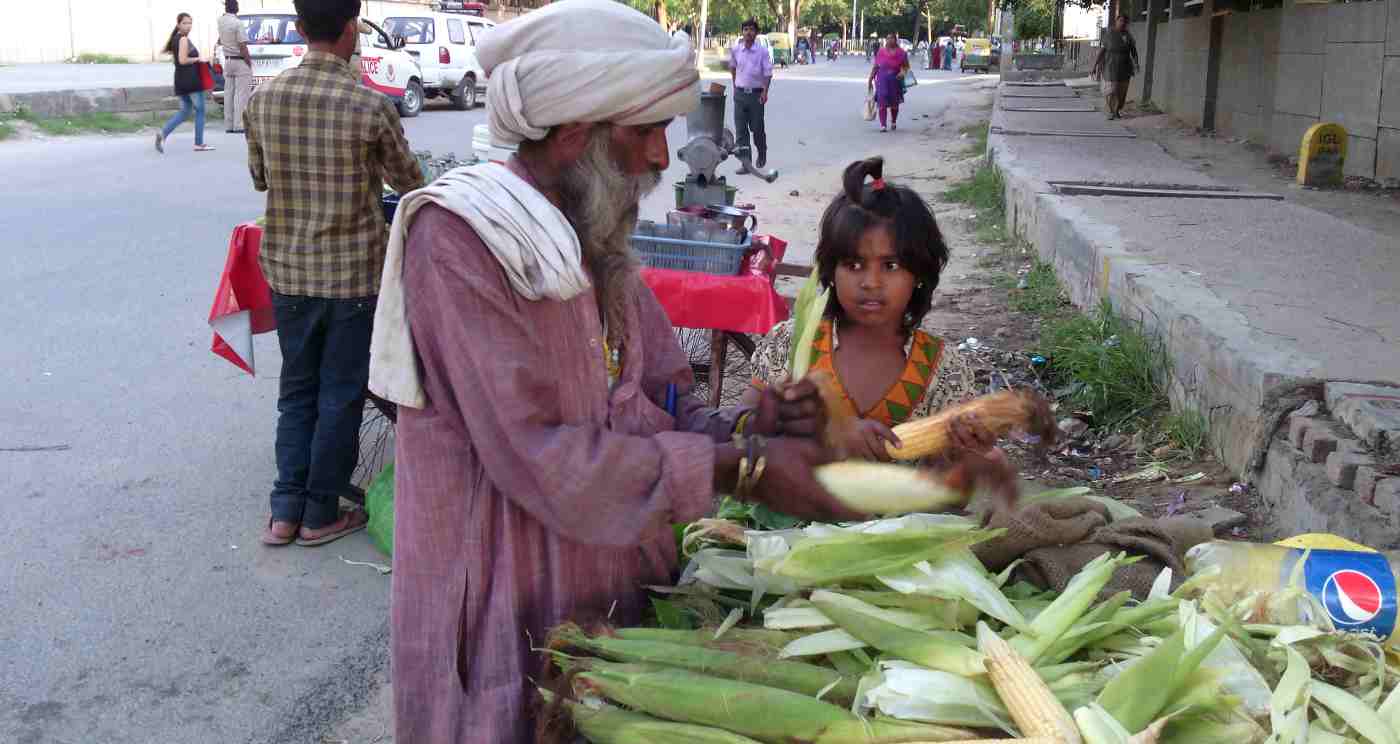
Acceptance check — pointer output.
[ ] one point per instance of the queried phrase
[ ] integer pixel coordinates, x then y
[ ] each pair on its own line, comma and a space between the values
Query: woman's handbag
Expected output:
206, 76
870, 106
908, 80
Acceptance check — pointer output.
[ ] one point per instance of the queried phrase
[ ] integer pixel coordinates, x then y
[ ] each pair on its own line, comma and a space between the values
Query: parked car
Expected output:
976, 55
445, 41
275, 46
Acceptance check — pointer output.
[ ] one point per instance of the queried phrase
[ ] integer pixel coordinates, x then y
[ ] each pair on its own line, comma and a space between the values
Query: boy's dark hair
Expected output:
861, 206
750, 23
231, 6
324, 20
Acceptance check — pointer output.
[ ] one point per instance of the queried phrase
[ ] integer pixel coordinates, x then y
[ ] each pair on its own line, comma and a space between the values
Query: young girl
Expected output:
881, 253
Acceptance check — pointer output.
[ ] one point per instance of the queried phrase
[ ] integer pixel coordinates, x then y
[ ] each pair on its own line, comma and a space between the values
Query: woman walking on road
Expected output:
187, 84
1116, 65
887, 80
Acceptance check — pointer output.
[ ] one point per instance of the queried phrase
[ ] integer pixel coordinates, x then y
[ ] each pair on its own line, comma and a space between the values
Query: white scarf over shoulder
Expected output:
574, 61
526, 234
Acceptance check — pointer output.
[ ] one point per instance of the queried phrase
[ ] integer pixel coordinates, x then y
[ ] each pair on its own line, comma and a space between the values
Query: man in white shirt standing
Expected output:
751, 70
238, 70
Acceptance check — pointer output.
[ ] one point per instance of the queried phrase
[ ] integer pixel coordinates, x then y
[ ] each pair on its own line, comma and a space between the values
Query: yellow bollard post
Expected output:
1322, 155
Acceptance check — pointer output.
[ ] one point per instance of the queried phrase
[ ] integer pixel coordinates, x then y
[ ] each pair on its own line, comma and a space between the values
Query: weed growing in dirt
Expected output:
100, 121
1187, 431
1041, 295
977, 137
984, 192
89, 58
1115, 370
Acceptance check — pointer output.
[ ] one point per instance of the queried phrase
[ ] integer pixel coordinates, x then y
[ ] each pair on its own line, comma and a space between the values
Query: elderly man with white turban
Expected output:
547, 438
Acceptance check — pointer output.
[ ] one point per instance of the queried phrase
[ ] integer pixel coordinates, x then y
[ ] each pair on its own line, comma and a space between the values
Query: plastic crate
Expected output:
691, 255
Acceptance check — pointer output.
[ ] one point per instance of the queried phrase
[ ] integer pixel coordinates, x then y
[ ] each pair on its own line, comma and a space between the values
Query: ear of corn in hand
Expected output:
885, 488
1001, 412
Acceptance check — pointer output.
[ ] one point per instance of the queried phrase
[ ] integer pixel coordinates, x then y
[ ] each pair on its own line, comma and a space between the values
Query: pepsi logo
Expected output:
1351, 597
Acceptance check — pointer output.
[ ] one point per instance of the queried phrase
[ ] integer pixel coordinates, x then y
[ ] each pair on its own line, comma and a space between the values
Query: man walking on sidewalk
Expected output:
751, 70
1116, 65
320, 145
238, 71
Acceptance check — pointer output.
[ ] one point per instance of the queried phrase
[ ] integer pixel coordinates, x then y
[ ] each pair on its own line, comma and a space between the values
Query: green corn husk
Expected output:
859, 555
754, 637
1123, 619
807, 312
863, 621
610, 725
795, 676
1140, 694
1066, 610
763, 713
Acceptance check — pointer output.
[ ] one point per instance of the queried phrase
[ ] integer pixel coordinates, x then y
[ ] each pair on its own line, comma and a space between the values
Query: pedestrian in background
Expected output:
751, 71
814, 44
949, 50
321, 145
238, 71
1116, 65
887, 80
187, 84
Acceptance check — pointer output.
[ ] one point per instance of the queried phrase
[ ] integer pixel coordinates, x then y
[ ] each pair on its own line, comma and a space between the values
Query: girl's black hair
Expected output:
172, 45
863, 205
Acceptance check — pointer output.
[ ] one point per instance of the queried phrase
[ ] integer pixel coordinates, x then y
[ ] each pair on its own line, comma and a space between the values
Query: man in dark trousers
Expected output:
751, 70
321, 146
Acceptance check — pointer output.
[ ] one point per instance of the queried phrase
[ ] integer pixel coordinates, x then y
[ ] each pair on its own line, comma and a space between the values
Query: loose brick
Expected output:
1388, 495
1342, 465
1297, 427
1318, 443
1366, 478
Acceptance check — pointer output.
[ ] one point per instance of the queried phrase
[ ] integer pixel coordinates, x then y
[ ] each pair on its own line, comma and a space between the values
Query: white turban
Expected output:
584, 61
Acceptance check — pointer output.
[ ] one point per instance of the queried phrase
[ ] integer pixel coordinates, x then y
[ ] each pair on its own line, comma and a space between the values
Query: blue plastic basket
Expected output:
691, 255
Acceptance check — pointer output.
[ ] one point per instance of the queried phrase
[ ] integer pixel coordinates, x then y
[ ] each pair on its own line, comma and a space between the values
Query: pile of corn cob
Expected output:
892, 631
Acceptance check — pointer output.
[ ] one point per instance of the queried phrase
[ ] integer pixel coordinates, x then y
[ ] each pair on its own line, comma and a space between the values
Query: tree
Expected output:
1035, 18
671, 14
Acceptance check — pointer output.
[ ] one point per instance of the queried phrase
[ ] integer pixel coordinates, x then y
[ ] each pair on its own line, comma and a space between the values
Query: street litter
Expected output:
380, 567
1153, 472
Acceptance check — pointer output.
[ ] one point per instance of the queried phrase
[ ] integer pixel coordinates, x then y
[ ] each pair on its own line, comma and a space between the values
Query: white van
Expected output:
445, 40
384, 65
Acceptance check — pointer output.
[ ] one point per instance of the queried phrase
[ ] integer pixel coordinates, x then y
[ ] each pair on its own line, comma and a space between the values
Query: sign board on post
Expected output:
1322, 155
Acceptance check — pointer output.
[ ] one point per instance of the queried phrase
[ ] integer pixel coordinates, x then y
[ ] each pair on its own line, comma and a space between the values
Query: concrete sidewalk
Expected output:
64, 90
1260, 302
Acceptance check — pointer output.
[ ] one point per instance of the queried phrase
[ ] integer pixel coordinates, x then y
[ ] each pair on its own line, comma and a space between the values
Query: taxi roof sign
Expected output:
460, 6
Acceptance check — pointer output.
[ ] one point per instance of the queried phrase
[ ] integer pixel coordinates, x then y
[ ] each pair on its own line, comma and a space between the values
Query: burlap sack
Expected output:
1057, 539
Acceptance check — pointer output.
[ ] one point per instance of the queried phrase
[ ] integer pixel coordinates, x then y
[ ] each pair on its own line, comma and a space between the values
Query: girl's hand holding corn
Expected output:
866, 439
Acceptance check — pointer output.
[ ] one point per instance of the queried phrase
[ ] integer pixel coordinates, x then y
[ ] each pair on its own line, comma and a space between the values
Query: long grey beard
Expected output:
602, 203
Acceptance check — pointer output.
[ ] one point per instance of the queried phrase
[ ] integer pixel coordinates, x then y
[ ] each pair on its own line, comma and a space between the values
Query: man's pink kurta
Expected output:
527, 493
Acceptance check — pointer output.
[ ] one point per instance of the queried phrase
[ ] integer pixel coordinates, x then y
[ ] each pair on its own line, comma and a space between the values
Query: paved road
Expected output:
138, 605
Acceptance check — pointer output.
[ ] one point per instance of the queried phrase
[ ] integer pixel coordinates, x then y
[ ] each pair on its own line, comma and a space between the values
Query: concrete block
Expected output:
1301, 91
1388, 153
1392, 34
1387, 495
1351, 87
1372, 412
1298, 428
1342, 465
1366, 479
1353, 22
1318, 443
1300, 30
1286, 132
1298, 498
1220, 519
1361, 157
1390, 92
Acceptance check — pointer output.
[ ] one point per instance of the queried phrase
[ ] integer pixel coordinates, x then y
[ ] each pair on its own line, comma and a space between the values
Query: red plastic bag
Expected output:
206, 76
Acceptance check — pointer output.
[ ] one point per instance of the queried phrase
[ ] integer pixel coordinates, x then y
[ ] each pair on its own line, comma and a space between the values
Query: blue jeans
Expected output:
320, 402
188, 102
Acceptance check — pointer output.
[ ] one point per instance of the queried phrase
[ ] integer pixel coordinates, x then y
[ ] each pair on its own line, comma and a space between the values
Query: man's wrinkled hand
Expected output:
789, 409
987, 470
788, 485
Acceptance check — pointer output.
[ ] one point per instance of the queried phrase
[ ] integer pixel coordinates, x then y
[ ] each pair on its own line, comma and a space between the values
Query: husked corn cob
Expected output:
1000, 412
1029, 701
884, 488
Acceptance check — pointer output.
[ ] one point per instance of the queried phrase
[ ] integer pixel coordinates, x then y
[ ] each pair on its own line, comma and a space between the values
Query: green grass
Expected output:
90, 58
1187, 431
977, 137
1042, 295
7, 130
1121, 370
99, 122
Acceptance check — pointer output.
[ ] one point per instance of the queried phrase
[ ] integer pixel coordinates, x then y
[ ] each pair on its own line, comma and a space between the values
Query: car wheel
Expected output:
464, 99
412, 103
